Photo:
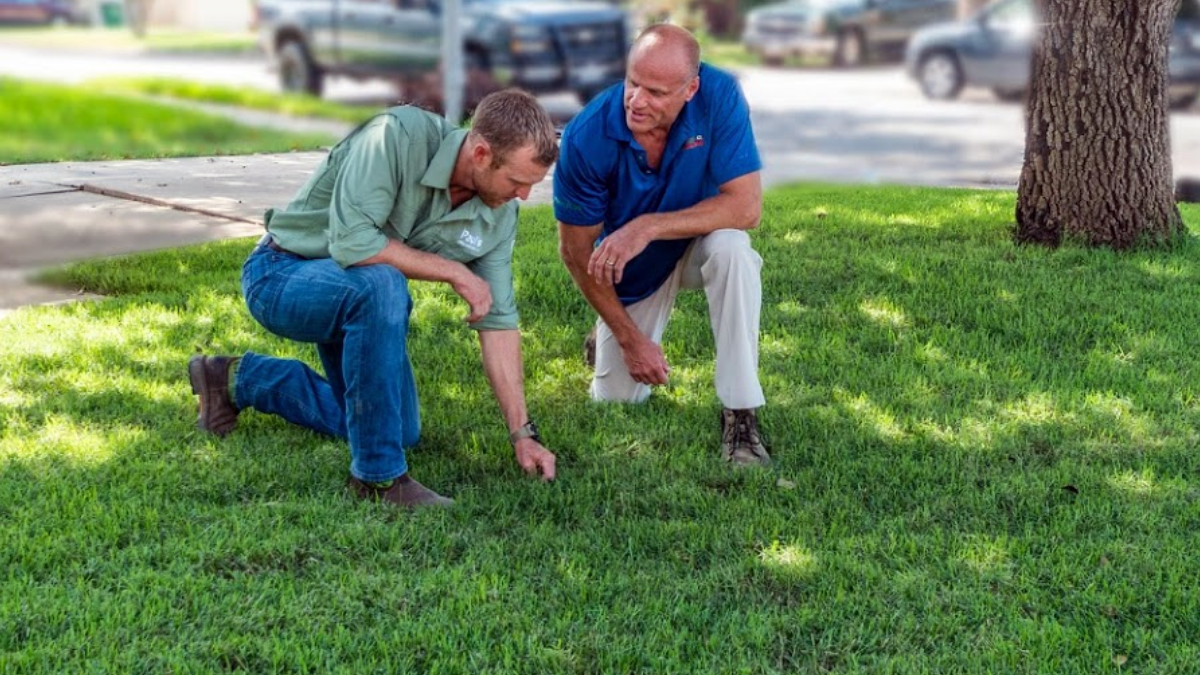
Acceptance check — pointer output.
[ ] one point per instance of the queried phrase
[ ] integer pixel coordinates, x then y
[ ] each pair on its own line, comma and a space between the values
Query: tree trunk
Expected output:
1097, 136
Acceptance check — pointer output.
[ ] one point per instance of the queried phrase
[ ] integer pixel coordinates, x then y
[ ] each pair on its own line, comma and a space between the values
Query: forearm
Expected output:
417, 264
602, 297
501, 350
738, 206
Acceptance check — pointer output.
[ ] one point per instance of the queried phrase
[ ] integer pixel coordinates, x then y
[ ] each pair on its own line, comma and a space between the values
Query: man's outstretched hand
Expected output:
535, 459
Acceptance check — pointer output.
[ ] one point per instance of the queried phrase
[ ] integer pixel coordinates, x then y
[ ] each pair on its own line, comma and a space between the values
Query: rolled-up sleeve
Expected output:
365, 191
580, 191
496, 269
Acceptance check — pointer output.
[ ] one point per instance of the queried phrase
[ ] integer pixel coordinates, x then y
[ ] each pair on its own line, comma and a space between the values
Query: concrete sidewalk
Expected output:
56, 213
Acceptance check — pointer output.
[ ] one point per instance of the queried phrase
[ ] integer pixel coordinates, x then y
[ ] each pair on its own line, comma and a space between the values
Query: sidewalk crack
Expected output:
129, 196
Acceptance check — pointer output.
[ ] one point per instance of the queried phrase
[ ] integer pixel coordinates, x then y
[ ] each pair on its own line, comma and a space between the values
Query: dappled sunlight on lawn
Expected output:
788, 560
65, 442
883, 313
1173, 271
1145, 483
872, 416
987, 554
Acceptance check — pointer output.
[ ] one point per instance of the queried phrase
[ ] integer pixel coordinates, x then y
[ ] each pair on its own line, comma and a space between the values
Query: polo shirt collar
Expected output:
437, 177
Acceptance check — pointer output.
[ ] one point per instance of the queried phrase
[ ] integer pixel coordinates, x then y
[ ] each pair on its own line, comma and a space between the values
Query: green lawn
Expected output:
47, 123
299, 105
985, 463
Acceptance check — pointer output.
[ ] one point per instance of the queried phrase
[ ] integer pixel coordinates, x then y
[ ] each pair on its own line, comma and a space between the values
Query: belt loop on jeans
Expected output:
269, 241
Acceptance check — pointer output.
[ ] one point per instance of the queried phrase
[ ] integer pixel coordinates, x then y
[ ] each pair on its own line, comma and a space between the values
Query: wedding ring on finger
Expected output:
608, 262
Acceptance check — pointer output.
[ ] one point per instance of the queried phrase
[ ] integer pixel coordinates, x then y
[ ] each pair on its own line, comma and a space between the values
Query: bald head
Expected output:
670, 44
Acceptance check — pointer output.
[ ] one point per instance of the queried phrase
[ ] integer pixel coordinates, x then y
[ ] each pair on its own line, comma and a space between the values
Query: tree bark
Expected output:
1097, 132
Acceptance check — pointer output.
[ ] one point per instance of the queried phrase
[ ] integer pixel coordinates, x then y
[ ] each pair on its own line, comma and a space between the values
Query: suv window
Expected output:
1013, 12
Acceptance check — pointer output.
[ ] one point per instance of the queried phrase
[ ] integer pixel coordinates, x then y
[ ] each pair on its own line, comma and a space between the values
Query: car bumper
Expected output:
800, 45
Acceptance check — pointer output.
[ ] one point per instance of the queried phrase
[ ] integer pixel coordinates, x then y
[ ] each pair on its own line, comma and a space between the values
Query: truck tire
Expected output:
1182, 98
851, 49
586, 94
297, 72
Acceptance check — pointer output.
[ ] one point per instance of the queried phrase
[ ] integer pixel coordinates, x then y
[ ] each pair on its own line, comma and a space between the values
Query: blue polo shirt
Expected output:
602, 175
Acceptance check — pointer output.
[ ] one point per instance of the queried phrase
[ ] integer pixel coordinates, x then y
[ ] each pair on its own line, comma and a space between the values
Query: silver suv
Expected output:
994, 49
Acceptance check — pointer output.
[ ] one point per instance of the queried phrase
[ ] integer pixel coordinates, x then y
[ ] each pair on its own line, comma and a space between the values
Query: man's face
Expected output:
657, 85
512, 179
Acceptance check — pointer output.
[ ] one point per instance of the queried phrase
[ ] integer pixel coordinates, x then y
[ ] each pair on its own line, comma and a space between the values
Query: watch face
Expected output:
528, 430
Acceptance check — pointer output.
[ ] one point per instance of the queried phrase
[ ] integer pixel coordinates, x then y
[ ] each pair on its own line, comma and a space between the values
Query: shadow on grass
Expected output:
980, 451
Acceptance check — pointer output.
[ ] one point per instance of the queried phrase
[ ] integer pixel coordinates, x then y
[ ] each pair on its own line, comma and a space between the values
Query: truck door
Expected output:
386, 37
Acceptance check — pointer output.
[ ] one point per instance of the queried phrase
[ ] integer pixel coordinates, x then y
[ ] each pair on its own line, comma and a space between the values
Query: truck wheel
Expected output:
586, 94
851, 49
480, 81
1182, 98
297, 72
1009, 95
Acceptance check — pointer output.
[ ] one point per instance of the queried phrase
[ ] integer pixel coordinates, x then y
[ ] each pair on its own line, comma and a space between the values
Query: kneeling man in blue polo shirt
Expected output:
656, 185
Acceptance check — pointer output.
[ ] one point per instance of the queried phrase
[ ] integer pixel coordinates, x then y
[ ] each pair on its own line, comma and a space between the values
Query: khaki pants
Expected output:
728, 269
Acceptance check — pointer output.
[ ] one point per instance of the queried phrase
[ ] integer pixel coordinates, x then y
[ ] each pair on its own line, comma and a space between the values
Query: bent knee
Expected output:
381, 291
729, 248
607, 392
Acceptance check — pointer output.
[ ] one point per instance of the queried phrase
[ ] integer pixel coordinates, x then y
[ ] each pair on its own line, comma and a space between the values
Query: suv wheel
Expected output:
851, 49
940, 76
297, 72
1181, 98
1009, 95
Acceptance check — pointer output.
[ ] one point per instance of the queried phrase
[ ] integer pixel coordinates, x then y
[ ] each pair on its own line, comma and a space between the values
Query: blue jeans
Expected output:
358, 319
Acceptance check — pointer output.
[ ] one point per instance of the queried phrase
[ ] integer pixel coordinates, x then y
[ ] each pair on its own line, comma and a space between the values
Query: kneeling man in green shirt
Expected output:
405, 196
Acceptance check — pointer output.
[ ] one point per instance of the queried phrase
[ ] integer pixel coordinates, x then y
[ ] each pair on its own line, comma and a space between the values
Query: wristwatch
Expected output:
527, 430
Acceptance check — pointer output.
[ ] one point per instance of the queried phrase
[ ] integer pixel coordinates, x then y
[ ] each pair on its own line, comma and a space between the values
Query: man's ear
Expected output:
481, 154
693, 87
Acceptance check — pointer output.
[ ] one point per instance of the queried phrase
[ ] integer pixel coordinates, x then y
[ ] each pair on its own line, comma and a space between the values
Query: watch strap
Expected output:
527, 430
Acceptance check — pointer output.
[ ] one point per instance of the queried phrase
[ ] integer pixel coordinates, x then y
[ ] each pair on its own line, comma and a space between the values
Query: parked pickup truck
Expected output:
538, 45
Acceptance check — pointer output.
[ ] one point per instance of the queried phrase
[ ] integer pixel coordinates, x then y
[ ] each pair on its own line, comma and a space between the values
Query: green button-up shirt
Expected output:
390, 178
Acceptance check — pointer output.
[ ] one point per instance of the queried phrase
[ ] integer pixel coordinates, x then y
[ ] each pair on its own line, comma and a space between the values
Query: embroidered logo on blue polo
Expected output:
470, 241
696, 141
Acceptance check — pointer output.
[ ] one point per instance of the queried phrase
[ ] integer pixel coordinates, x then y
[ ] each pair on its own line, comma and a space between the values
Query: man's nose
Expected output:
523, 192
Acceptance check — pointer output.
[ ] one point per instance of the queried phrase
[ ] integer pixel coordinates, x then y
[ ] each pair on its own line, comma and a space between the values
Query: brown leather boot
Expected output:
210, 381
741, 443
403, 492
